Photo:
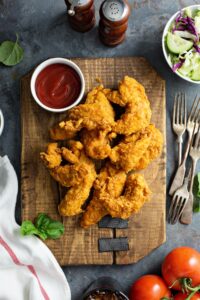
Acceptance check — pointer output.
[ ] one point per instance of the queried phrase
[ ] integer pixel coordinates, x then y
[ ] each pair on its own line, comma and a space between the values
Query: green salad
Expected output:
183, 44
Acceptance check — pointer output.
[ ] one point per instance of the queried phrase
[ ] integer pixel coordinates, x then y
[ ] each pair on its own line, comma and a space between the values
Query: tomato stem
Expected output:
186, 284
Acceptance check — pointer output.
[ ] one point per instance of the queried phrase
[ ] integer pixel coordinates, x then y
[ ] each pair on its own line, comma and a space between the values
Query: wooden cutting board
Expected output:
40, 193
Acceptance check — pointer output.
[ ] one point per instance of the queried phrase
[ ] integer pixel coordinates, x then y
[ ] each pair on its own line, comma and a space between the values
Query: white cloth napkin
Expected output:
28, 269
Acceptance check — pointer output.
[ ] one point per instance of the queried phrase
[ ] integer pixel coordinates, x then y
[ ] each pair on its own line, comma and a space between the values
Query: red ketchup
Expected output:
58, 86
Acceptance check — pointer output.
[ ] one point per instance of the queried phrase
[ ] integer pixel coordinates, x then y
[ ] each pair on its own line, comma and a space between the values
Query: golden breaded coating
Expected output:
74, 199
59, 134
110, 181
79, 175
97, 143
136, 194
52, 158
97, 112
153, 151
129, 151
137, 115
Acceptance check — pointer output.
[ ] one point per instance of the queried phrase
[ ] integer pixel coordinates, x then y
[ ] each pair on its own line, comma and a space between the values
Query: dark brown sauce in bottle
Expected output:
113, 22
81, 14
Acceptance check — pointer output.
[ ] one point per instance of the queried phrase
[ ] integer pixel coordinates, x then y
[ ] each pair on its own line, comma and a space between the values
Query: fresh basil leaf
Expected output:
42, 235
196, 185
11, 53
42, 220
44, 227
196, 205
28, 228
55, 229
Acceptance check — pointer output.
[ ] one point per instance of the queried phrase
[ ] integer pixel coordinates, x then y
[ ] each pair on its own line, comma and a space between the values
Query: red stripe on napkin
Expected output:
29, 267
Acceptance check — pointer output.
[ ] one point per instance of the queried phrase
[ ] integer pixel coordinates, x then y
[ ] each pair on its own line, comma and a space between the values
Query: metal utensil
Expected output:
186, 217
192, 121
179, 121
179, 201
1, 122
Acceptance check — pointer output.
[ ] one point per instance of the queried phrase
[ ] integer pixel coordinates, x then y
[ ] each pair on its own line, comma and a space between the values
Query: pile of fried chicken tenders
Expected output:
93, 135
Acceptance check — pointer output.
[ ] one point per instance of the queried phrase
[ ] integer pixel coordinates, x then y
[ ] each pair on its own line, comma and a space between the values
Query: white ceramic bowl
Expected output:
52, 61
171, 20
1, 122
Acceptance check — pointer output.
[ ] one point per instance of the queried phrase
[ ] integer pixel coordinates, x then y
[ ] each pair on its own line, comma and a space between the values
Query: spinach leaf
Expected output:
11, 53
44, 227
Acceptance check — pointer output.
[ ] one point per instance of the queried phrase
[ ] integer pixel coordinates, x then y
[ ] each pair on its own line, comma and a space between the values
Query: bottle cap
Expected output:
115, 10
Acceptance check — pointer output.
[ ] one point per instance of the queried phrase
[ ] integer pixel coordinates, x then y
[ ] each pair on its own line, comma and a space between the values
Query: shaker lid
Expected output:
115, 10
75, 3
78, 2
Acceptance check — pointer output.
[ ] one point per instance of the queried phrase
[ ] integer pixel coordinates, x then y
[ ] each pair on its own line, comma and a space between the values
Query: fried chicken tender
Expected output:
131, 95
136, 194
97, 112
136, 151
97, 143
79, 175
110, 181
128, 152
153, 151
52, 158
59, 134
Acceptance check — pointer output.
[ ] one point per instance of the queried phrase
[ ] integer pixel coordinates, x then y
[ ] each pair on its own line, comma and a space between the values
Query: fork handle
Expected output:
180, 152
186, 217
187, 147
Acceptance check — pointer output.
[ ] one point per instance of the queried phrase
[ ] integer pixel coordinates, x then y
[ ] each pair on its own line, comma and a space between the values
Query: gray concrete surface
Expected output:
44, 33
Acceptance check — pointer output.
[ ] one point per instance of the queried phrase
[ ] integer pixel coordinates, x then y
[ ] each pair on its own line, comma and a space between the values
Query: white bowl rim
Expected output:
1, 122
49, 62
163, 41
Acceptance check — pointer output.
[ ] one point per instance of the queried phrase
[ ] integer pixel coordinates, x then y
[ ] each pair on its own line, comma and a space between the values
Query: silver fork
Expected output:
186, 217
179, 201
179, 121
192, 120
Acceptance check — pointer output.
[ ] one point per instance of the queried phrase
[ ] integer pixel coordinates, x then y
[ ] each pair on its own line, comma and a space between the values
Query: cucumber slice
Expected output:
186, 68
176, 44
197, 23
196, 74
188, 12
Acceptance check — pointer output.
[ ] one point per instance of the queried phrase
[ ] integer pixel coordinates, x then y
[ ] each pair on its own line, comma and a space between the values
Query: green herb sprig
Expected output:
196, 193
44, 227
11, 53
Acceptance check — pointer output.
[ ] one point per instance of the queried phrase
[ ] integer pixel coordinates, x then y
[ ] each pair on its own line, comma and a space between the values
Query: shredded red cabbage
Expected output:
185, 24
177, 65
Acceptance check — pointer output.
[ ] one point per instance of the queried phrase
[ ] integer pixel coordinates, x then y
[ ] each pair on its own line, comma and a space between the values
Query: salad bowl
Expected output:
181, 43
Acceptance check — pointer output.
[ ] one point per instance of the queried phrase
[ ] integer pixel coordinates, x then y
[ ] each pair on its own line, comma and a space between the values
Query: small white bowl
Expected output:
171, 20
51, 61
1, 122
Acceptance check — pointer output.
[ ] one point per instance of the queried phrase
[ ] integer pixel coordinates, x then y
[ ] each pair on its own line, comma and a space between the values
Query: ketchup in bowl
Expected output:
58, 86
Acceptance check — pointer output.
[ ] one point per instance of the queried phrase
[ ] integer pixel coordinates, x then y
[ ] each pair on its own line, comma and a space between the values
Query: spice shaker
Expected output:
81, 14
104, 288
113, 22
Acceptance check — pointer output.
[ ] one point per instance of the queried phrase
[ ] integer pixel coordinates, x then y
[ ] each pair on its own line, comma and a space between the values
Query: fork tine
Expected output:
181, 107
178, 109
197, 138
193, 109
175, 209
185, 111
172, 207
179, 210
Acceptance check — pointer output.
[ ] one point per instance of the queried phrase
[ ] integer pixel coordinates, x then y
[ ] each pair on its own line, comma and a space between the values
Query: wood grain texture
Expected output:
40, 193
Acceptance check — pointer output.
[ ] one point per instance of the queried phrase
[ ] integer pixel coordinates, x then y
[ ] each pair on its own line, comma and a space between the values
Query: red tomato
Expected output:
182, 262
149, 287
184, 296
